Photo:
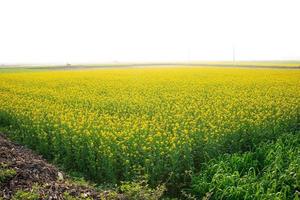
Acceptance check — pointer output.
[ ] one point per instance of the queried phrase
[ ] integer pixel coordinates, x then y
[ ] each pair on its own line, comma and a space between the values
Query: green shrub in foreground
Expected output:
271, 171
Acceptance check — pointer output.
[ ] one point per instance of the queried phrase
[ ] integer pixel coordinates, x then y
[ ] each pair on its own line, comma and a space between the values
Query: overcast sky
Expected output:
97, 31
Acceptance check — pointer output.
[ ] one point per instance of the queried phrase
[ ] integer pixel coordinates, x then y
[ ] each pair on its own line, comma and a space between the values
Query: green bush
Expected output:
270, 171
140, 190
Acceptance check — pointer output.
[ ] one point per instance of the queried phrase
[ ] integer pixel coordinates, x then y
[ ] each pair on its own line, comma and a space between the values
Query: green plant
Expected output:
6, 174
270, 171
26, 195
140, 190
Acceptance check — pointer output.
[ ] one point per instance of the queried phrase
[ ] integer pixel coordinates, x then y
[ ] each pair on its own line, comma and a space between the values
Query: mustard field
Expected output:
112, 125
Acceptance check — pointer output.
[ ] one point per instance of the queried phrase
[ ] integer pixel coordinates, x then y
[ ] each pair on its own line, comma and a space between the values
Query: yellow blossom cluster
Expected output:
106, 123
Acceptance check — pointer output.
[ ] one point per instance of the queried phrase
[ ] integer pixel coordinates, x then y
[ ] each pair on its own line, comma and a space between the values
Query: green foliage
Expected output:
67, 196
26, 195
140, 190
6, 174
271, 171
32, 194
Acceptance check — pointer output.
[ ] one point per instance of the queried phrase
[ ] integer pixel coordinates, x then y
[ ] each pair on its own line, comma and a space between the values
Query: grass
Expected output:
270, 171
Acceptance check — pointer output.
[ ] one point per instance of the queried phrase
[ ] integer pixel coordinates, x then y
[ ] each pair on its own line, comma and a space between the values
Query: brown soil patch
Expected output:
31, 169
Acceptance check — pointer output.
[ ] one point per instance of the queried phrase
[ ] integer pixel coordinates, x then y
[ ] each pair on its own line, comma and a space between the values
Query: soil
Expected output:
32, 171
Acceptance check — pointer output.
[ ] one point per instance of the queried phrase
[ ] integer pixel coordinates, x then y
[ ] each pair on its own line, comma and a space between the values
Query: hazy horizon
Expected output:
153, 62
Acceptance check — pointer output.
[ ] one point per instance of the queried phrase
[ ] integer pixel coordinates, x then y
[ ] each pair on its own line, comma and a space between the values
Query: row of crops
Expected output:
113, 125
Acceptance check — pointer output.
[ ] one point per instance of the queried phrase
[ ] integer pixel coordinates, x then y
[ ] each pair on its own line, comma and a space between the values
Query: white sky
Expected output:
76, 31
